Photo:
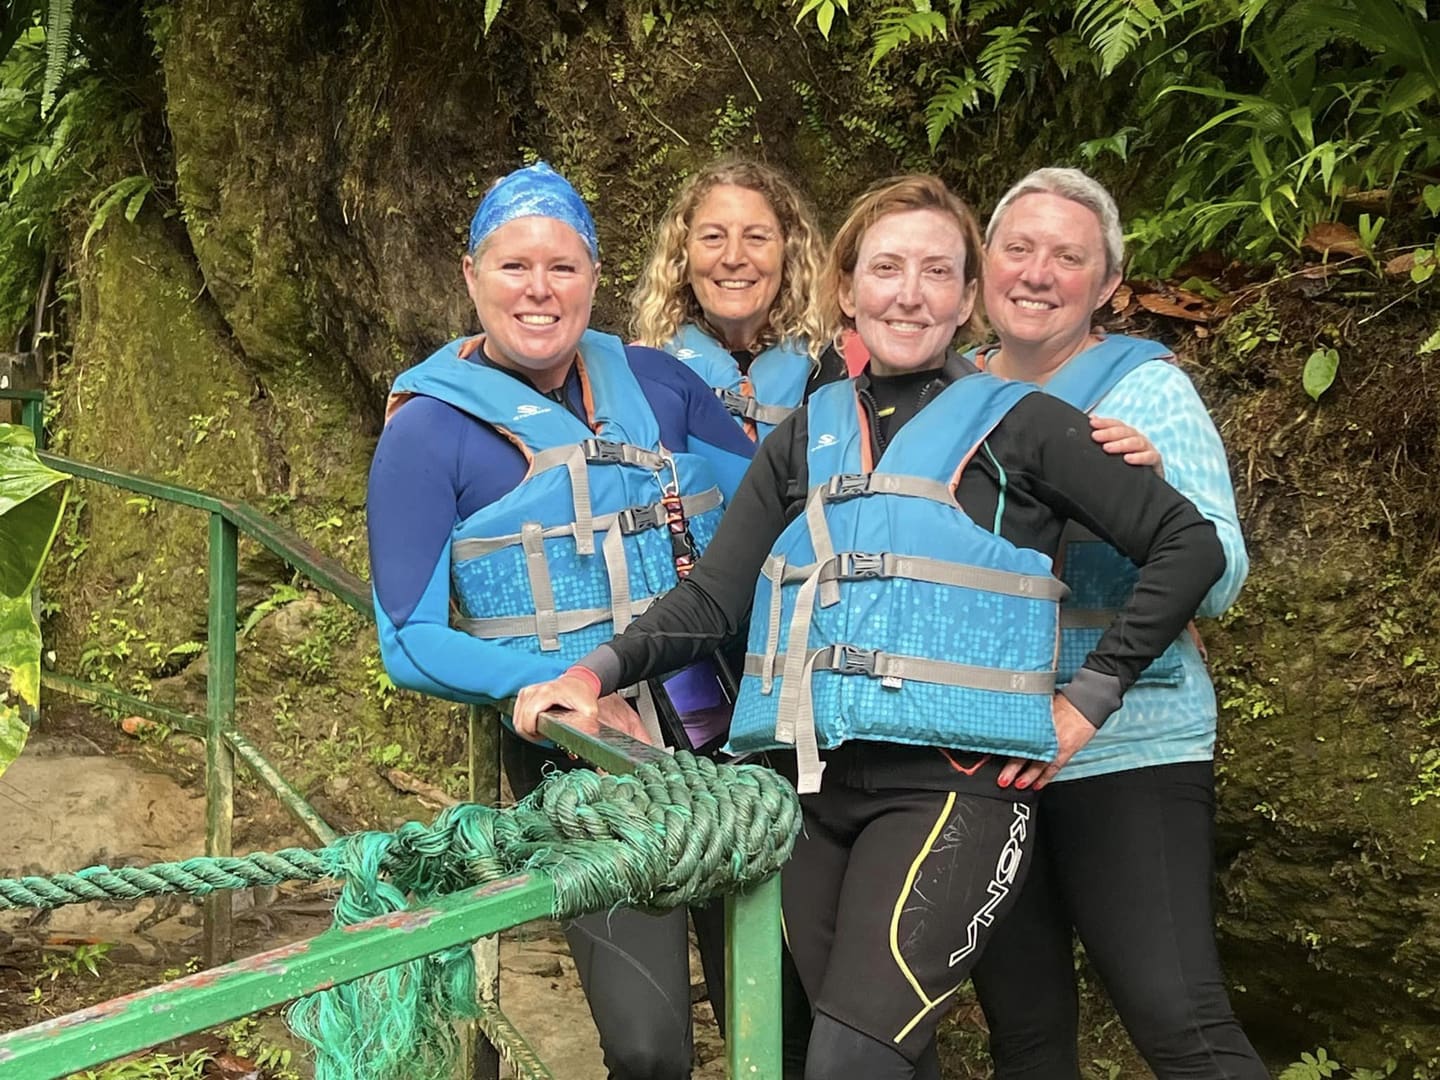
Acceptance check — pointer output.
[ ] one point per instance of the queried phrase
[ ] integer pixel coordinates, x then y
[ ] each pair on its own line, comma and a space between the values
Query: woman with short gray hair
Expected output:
1125, 858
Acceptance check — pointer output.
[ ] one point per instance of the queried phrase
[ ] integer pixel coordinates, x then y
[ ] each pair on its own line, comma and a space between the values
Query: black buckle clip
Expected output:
634, 519
847, 486
853, 660
734, 403
851, 565
603, 452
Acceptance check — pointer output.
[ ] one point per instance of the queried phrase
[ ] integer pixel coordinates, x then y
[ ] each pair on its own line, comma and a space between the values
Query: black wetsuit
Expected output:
910, 854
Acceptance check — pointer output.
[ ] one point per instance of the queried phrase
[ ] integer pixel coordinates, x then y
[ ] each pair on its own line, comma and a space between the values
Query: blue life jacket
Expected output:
1100, 578
565, 560
902, 620
765, 395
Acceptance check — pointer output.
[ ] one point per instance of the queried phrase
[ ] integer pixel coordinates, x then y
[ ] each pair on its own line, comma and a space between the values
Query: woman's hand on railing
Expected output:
1072, 731
1117, 437
584, 709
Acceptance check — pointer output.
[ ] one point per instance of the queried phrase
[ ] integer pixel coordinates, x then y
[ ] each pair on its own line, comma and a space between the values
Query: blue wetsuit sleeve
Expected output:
1160, 401
691, 416
411, 511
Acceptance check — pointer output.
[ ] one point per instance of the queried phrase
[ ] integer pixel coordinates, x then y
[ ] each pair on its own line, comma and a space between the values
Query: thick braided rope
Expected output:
678, 830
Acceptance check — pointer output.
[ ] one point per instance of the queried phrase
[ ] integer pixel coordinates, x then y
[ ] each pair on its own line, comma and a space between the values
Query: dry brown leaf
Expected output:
1180, 305
1121, 300
1333, 237
1400, 265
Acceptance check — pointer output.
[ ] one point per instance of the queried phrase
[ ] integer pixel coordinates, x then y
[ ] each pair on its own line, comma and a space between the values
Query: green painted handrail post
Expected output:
752, 981
32, 415
483, 744
220, 717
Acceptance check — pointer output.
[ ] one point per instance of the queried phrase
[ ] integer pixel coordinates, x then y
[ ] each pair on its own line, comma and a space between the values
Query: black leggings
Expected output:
1127, 859
635, 967
889, 899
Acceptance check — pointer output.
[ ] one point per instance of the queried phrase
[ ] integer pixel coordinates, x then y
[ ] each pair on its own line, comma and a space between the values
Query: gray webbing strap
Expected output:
632, 519
775, 570
794, 700
618, 572
881, 665
1086, 618
749, 408
853, 565
649, 715
820, 541
537, 569
503, 626
572, 458
809, 769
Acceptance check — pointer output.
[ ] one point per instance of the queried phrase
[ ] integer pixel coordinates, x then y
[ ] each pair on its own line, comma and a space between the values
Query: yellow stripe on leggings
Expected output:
900, 906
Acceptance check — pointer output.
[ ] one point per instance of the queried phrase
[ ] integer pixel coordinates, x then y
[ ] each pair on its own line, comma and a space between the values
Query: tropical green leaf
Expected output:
57, 50
1320, 370
19, 675
901, 25
32, 498
492, 9
1430, 344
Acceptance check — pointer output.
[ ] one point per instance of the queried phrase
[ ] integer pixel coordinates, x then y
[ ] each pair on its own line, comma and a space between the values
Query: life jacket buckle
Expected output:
635, 519
735, 404
603, 452
853, 660
847, 486
854, 565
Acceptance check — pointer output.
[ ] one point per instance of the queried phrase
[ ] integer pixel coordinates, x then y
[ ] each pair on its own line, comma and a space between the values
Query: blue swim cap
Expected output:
534, 191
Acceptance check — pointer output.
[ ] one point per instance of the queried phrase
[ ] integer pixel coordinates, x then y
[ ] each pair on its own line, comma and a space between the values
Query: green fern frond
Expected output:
957, 96
129, 193
57, 50
901, 25
982, 10
1007, 53
1114, 28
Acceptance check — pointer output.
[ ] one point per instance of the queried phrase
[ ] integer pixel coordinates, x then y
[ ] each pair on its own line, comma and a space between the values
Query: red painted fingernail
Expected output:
1022, 784
1004, 781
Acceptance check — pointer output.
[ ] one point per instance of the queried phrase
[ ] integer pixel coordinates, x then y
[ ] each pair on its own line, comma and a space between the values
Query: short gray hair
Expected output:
1076, 186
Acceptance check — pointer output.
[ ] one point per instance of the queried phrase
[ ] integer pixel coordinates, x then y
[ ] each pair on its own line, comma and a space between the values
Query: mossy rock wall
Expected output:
326, 159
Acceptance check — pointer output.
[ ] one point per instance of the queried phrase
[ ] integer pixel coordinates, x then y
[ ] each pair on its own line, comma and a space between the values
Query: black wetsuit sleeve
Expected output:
1176, 549
712, 605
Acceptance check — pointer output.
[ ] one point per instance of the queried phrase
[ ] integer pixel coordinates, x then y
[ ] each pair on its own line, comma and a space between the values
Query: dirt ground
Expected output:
83, 794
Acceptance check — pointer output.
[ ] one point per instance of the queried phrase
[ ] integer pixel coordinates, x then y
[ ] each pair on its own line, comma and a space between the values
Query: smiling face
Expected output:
908, 294
532, 282
736, 254
1045, 275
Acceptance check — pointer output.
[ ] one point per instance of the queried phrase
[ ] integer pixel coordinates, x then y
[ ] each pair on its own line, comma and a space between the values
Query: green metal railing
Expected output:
92, 1036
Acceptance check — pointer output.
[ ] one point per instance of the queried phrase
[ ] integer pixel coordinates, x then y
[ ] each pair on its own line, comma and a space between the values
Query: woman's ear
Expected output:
846, 295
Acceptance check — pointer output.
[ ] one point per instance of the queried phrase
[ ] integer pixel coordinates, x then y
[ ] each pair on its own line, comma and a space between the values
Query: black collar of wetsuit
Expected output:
915, 392
565, 394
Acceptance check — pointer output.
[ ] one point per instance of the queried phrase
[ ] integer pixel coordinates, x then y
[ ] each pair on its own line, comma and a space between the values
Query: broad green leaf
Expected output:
1320, 371
492, 9
32, 497
1431, 195
19, 675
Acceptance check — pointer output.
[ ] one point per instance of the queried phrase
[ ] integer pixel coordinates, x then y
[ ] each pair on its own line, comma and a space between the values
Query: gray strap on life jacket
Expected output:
896, 668
572, 459
1086, 618
821, 542
632, 519
857, 565
795, 691
749, 408
537, 569
776, 571
507, 626
618, 572
649, 715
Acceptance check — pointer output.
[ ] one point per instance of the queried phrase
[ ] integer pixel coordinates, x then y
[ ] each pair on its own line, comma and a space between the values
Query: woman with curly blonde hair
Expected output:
727, 291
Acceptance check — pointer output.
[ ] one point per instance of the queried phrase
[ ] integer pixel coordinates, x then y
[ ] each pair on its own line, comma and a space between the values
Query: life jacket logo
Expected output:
824, 441
687, 354
525, 412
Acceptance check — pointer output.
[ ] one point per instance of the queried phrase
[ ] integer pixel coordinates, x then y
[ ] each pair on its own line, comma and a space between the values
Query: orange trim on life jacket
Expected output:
587, 398
961, 768
747, 389
867, 449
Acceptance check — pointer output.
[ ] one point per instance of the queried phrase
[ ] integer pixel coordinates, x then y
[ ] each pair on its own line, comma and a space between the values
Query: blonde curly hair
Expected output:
663, 300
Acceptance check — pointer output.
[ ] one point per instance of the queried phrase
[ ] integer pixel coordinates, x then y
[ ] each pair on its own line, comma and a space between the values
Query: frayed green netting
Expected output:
673, 832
